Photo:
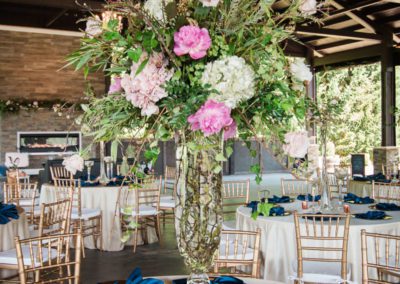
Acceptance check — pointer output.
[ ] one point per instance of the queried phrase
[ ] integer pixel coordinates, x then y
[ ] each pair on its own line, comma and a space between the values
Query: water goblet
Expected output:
89, 164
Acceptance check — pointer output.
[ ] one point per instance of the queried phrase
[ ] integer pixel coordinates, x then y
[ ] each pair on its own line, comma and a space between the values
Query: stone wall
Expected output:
31, 68
38, 120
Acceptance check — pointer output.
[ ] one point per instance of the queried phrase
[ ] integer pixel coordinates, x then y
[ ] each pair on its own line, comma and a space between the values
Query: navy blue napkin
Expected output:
302, 197
253, 205
87, 184
218, 280
7, 212
277, 211
352, 198
277, 199
137, 278
387, 207
371, 215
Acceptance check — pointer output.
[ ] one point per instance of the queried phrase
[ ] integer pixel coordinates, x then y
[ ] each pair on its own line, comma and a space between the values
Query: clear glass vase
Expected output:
103, 179
198, 214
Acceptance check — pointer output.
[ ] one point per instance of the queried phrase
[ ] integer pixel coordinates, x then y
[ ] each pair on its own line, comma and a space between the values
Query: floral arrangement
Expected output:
73, 163
201, 72
176, 62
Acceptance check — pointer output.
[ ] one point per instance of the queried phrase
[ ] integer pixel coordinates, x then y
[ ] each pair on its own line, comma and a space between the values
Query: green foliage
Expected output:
357, 126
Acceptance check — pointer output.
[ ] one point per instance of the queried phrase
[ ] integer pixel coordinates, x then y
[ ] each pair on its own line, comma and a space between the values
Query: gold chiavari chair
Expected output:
234, 194
88, 220
295, 187
25, 195
322, 248
237, 249
50, 258
389, 171
55, 218
380, 258
169, 179
140, 208
60, 172
333, 184
385, 192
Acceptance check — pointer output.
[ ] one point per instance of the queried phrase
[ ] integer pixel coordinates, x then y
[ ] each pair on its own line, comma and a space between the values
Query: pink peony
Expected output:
193, 41
296, 144
145, 89
115, 87
230, 131
211, 118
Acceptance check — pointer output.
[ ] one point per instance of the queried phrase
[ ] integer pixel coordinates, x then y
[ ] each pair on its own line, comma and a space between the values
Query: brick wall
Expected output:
30, 68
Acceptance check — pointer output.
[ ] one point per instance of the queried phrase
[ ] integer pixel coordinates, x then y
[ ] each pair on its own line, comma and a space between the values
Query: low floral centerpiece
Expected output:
201, 72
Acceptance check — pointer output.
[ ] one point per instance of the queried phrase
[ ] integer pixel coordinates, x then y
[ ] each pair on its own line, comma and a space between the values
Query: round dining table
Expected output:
104, 198
278, 239
16, 227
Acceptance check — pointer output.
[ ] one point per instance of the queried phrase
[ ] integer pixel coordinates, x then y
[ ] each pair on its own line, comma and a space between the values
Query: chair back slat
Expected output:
234, 194
60, 172
386, 192
238, 248
69, 189
49, 258
170, 179
294, 187
380, 258
55, 218
322, 238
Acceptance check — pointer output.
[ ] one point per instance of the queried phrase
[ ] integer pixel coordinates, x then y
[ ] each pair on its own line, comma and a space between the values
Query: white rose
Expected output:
308, 7
300, 70
73, 163
296, 144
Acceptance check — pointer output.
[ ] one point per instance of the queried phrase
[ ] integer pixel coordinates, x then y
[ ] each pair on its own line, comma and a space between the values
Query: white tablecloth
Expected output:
16, 227
103, 198
278, 239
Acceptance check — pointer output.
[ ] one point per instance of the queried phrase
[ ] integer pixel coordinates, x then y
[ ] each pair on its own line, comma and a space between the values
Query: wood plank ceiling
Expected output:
348, 29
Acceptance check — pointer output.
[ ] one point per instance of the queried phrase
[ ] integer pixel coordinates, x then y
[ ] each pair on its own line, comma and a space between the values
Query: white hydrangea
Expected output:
155, 8
232, 78
73, 163
300, 70
93, 27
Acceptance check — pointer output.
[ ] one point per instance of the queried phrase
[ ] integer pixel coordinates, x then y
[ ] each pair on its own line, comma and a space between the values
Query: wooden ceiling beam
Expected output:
345, 10
56, 17
334, 44
342, 34
361, 19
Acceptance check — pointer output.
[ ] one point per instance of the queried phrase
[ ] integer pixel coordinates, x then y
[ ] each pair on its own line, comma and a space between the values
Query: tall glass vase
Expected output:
103, 179
326, 204
198, 214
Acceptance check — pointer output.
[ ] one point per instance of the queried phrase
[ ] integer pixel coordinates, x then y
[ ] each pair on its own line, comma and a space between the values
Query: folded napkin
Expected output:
87, 184
371, 215
379, 177
277, 199
277, 211
352, 198
253, 205
387, 207
137, 278
7, 212
218, 280
309, 197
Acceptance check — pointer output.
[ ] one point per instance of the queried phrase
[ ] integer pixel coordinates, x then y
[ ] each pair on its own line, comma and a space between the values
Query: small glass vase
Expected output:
103, 179
326, 204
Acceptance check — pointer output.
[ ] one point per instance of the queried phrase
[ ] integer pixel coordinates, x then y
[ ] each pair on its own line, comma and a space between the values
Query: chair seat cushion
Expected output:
144, 210
241, 254
229, 225
10, 256
28, 202
87, 213
167, 202
322, 272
